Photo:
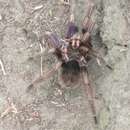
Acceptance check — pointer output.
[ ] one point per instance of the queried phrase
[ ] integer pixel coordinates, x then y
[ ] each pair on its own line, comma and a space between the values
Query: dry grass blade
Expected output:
41, 49
2, 67
10, 109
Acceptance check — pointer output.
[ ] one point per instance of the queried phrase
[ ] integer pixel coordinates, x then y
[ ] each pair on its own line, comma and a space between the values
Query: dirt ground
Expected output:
22, 24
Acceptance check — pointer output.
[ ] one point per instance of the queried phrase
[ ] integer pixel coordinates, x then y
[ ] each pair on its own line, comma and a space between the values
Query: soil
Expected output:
47, 106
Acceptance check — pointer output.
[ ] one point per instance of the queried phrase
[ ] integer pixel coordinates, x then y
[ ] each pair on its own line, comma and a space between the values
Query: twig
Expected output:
11, 109
2, 67
38, 7
41, 59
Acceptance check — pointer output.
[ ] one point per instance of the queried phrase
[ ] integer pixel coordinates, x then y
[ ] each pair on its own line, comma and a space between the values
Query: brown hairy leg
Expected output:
90, 93
45, 76
96, 55
87, 26
87, 20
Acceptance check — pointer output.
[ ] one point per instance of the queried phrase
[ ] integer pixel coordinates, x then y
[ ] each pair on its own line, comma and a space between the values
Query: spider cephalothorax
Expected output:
73, 53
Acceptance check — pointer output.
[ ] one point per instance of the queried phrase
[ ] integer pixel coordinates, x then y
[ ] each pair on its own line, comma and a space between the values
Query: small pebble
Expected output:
38, 7
0, 17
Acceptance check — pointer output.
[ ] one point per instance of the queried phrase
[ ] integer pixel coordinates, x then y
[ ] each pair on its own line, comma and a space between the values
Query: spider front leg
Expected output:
90, 94
73, 36
45, 76
87, 28
52, 40
87, 20
72, 28
56, 43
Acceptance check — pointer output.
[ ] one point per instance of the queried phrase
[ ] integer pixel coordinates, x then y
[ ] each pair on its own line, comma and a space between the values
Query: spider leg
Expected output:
100, 58
88, 26
86, 35
90, 94
72, 28
91, 26
87, 19
45, 76
52, 40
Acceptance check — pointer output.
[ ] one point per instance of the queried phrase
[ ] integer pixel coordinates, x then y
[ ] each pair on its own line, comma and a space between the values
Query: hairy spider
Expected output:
73, 54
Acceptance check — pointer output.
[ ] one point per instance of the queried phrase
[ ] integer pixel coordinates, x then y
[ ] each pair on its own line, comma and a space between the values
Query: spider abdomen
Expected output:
70, 72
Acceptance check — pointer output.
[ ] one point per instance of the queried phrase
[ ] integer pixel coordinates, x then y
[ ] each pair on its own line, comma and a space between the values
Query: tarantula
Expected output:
73, 54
